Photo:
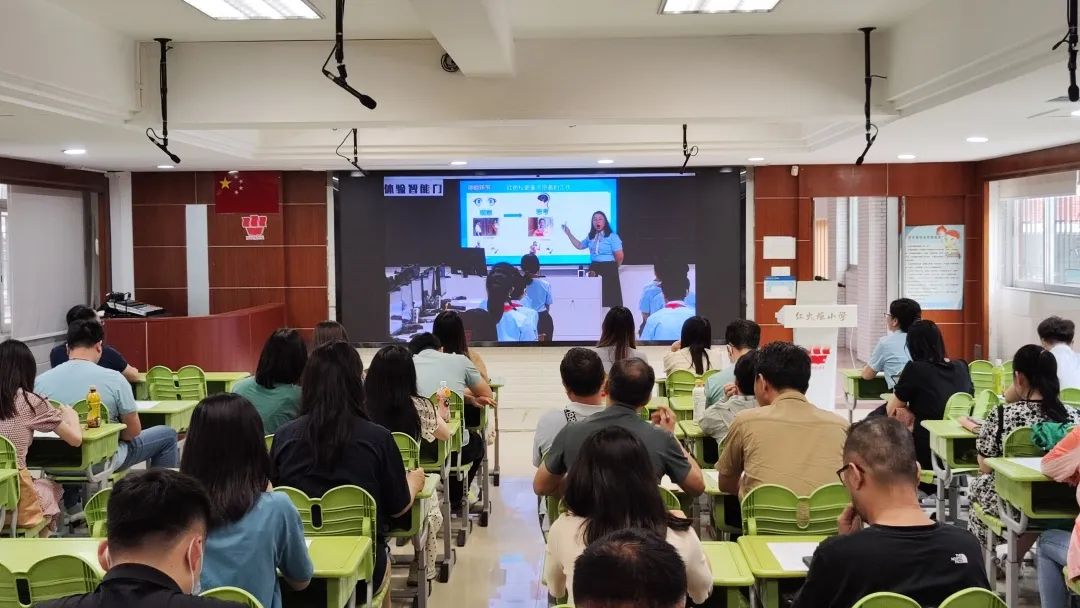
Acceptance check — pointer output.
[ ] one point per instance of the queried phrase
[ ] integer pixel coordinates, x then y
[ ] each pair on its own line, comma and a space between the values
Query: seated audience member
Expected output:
538, 295
630, 569
110, 357
691, 352
925, 385
666, 323
393, 402
741, 337
153, 552
334, 443
900, 550
786, 441
71, 381
22, 412
1058, 548
891, 353
449, 328
629, 389
255, 532
719, 417
583, 377
275, 388
652, 296
617, 342
1036, 382
612, 487
434, 367
1057, 337
514, 322
329, 331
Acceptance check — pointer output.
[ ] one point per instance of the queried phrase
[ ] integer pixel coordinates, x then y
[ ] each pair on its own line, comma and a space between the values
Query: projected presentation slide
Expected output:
510, 218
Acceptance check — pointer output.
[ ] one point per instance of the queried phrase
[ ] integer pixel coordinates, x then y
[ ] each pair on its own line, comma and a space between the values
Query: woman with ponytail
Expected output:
1036, 381
691, 352
513, 321
538, 295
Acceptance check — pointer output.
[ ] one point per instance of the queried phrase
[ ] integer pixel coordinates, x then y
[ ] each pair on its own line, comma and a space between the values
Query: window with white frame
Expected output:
1040, 219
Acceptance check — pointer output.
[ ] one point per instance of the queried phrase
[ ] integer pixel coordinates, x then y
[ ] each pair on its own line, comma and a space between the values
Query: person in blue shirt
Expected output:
255, 532
538, 295
606, 254
110, 357
890, 355
741, 337
513, 321
652, 296
666, 324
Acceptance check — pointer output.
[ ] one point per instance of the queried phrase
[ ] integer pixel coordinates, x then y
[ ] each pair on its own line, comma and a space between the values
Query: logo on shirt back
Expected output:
959, 558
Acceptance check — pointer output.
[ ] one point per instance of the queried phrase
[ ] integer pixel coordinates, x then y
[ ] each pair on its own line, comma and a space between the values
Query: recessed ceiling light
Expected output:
682, 7
233, 172
75, 151
906, 156
977, 139
459, 163
165, 167
232, 10
756, 159
605, 161
1075, 112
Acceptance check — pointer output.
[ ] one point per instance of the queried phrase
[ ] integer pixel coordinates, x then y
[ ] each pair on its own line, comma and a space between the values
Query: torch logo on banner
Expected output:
819, 354
254, 226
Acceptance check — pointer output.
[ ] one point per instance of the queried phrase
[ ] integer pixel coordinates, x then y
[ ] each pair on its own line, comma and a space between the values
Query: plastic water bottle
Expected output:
93, 402
699, 399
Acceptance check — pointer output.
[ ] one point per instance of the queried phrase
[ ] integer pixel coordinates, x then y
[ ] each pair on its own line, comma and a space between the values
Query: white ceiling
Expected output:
396, 19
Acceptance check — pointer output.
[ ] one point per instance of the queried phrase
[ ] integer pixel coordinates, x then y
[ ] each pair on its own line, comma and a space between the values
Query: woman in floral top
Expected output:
393, 402
1036, 382
22, 412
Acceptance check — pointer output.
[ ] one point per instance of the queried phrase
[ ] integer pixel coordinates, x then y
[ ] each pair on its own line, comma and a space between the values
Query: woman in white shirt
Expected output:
612, 486
617, 338
691, 352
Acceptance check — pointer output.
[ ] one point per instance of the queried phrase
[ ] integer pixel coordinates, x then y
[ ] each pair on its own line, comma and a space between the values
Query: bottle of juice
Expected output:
93, 400
444, 399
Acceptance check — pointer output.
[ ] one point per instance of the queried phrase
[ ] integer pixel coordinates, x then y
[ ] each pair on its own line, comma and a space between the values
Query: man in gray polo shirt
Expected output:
630, 388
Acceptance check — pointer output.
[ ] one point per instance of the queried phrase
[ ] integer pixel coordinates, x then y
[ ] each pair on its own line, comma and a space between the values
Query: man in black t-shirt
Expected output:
110, 357
901, 550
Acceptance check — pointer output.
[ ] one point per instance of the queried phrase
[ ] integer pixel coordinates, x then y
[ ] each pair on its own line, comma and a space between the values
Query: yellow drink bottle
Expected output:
93, 400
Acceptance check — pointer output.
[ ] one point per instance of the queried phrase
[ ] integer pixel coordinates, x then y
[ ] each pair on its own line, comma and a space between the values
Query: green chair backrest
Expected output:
973, 598
9, 592
343, 511
985, 400
9, 459
1070, 396
82, 408
982, 374
681, 382
960, 404
61, 576
775, 510
160, 383
1019, 444
885, 599
233, 594
269, 440
187, 383
671, 502
709, 374
97, 513
410, 450
1006, 375
1073, 585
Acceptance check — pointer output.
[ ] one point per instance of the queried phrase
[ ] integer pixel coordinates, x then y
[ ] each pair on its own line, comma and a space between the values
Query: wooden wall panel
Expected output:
776, 217
305, 224
132, 338
930, 210
172, 300
247, 267
775, 182
304, 187
163, 188
1049, 160
225, 299
775, 333
305, 306
931, 179
158, 225
306, 266
842, 180
29, 173
158, 267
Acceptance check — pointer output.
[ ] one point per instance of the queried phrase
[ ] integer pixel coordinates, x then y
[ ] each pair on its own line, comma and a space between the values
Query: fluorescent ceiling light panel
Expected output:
677, 7
236, 10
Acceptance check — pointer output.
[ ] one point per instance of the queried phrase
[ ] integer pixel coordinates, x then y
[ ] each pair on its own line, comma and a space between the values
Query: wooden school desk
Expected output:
767, 568
175, 414
48, 451
952, 453
730, 571
216, 382
855, 388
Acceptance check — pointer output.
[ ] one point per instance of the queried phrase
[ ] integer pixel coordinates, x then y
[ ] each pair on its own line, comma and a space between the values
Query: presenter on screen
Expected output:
606, 253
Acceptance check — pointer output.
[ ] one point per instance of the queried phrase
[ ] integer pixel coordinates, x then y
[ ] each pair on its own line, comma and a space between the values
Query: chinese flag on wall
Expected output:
247, 192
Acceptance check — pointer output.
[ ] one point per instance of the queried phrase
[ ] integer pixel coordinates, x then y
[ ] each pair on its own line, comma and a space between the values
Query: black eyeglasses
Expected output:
840, 471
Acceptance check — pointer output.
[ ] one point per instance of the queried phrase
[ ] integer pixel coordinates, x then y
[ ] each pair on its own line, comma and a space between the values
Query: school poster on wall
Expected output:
933, 266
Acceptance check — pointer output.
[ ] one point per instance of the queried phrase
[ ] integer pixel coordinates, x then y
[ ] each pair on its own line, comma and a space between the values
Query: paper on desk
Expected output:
790, 555
308, 541
667, 484
48, 434
713, 476
145, 405
1034, 464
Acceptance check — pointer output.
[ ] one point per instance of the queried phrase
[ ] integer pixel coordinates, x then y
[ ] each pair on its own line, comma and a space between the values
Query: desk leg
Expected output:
770, 593
498, 434
448, 548
954, 499
1012, 569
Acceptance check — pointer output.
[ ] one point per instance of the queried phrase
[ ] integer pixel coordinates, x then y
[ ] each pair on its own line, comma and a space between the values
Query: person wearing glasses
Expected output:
891, 353
886, 542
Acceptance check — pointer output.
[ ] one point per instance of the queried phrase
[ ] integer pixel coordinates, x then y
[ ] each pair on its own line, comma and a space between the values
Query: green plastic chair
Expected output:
343, 511
269, 440
960, 404
233, 594
1070, 396
671, 502
185, 384
681, 382
1019, 444
60, 576
982, 375
96, 512
9, 592
985, 401
410, 450
709, 373
973, 598
1006, 375
1074, 586
9, 459
775, 510
885, 599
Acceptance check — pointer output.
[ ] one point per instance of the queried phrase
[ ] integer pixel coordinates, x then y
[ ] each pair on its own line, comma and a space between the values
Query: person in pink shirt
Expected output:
1058, 548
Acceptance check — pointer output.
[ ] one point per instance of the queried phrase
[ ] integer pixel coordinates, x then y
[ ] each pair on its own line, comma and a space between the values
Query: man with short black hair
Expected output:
583, 379
629, 389
153, 552
718, 417
902, 550
1056, 335
666, 323
630, 568
890, 355
786, 441
70, 382
740, 337
110, 357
